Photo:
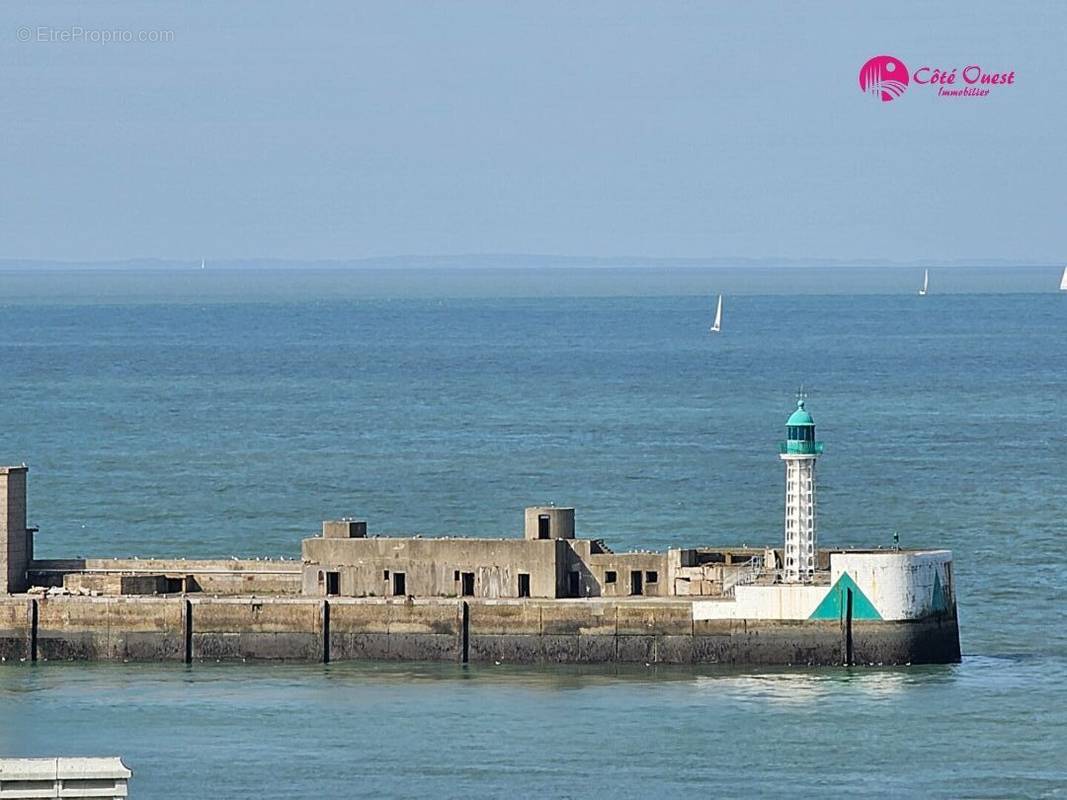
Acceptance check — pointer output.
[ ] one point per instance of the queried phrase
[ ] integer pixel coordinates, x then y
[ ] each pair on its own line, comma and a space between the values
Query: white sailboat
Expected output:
716, 326
926, 283
1063, 281
203, 264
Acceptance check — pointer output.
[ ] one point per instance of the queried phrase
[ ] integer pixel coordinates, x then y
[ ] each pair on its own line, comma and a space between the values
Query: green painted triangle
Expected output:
833, 605
940, 600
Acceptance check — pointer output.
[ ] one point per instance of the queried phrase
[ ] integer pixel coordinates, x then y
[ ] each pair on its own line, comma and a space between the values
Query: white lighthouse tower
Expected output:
799, 452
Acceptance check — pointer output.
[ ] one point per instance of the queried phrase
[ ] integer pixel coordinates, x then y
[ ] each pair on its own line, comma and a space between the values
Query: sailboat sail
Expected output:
926, 281
1063, 281
716, 326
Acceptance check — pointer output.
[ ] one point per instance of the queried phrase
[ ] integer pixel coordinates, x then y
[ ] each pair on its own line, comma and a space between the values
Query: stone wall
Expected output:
434, 567
507, 631
613, 574
109, 629
224, 577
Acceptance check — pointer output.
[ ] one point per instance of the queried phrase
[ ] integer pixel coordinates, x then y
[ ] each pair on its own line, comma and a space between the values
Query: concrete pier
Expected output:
654, 631
549, 596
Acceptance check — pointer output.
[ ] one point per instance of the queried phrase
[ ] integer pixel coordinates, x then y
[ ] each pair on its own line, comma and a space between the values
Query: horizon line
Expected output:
518, 260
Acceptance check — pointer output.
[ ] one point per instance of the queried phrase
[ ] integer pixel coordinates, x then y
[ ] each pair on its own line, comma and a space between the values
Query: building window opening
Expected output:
455, 575
524, 585
635, 582
468, 584
651, 576
610, 576
543, 526
174, 585
385, 575
333, 583
400, 588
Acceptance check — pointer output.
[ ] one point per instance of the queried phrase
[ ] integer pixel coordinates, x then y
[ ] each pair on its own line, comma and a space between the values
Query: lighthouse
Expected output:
799, 452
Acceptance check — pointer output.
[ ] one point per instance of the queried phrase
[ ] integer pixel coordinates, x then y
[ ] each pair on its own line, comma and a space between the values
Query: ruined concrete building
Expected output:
548, 562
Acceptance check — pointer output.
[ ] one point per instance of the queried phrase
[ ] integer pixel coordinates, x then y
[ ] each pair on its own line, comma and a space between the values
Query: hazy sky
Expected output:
354, 129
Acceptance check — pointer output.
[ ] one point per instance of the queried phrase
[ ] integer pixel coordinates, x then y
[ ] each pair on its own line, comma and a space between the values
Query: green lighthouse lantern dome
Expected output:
800, 416
800, 432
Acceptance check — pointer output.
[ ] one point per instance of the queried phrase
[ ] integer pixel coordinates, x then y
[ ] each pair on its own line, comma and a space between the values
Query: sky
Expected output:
349, 130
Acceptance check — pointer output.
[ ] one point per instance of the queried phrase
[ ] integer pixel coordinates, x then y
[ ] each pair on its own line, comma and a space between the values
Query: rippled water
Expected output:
228, 413
975, 730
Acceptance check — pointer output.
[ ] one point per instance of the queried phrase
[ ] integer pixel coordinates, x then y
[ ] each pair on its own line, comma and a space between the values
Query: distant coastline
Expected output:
498, 261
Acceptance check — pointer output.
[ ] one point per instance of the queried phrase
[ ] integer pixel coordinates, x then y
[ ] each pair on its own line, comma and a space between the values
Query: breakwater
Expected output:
180, 628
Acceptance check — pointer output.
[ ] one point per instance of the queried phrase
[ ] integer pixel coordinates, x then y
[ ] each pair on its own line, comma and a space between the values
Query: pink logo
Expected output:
885, 77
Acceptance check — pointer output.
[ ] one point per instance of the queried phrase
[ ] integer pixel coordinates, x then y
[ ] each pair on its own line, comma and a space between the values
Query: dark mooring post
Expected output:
325, 631
187, 626
33, 629
848, 628
465, 633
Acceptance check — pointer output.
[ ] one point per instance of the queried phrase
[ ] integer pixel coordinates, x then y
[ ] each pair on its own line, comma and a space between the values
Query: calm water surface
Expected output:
228, 413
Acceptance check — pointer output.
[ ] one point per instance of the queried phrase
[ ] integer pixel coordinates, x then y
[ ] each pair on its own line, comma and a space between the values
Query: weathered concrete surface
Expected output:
434, 567
231, 577
509, 631
239, 629
767, 642
63, 777
935, 640
395, 630
109, 629
16, 615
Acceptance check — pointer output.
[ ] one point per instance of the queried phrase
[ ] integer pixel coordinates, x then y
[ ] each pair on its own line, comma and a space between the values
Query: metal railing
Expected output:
748, 573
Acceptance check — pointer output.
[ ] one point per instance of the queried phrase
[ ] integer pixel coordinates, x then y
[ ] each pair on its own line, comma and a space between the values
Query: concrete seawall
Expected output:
192, 629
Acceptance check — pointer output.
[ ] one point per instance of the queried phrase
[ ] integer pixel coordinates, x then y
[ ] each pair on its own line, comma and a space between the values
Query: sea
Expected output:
226, 412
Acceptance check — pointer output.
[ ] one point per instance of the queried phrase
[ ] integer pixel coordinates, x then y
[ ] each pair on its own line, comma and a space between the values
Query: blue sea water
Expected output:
226, 413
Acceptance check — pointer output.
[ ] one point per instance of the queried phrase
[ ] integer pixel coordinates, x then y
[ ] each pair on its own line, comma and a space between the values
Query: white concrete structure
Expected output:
781, 601
25, 778
898, 585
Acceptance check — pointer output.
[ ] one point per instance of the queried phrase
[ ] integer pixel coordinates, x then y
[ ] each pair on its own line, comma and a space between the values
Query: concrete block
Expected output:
146, 629
344, 529
358, 646
16, 619
217, 646
363, 617
671, 619
513, 618
633, 619
930, 641
596, 649
507, 649
418, 618
672, 649
560, 649
266, 630
424, 647
576, 618
713, 649
72, 629
636, 649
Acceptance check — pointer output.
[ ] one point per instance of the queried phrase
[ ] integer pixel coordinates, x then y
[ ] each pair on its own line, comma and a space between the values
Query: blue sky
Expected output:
693, 130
